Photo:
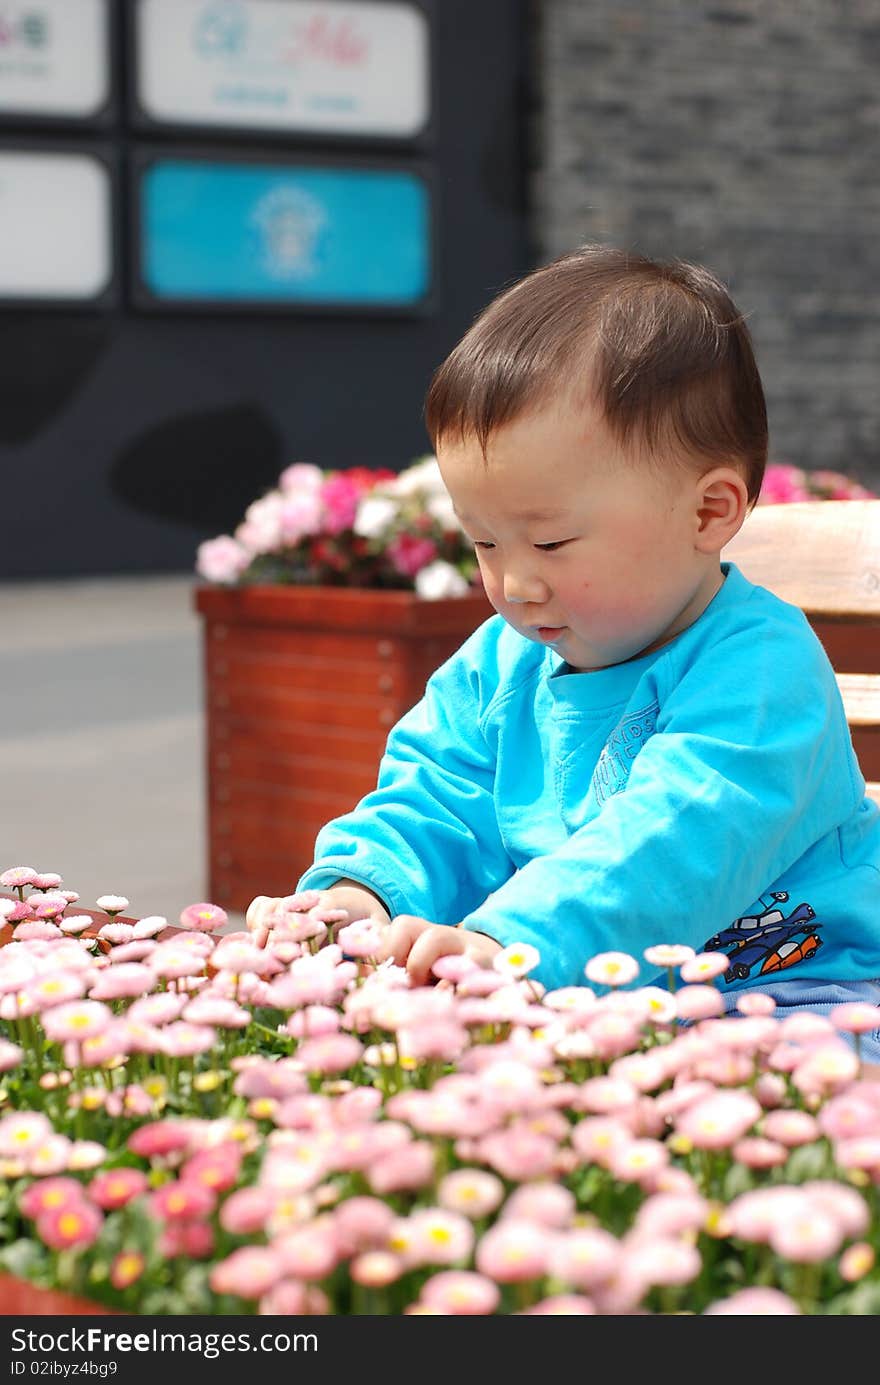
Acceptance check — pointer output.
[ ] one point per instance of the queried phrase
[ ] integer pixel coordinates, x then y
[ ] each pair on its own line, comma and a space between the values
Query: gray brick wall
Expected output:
745, 135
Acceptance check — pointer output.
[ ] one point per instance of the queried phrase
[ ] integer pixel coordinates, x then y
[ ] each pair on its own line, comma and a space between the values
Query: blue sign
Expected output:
224, 232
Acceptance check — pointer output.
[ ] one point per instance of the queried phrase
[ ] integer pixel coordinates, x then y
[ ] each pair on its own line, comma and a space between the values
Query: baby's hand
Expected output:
417, 943
341, 904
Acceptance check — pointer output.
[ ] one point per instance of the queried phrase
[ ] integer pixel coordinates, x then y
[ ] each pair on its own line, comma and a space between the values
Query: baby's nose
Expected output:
520, 588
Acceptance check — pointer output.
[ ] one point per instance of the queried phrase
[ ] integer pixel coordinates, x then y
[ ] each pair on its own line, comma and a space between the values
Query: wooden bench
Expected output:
824, 556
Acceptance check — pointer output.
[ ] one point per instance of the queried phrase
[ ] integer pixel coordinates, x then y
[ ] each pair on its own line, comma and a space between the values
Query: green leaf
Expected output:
22, 1258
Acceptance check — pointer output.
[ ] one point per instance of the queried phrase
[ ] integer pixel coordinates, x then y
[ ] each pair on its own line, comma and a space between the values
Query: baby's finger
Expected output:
301, 902
439, 942
404, 931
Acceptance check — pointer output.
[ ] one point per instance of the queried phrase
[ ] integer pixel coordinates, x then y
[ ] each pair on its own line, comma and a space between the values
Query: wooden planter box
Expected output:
301, 686
19, 1298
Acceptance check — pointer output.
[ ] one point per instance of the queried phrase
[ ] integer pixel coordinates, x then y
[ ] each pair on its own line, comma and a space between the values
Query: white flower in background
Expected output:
439, 507
440, 579
261, 528
112, 903
300, 513
423, 475
375, 514
221, 559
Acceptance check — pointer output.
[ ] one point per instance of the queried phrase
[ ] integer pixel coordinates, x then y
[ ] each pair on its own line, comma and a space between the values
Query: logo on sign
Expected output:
289, 222
28, 30
221, 28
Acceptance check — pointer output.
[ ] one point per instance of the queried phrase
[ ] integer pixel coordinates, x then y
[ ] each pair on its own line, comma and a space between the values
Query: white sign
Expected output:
55, 226
333, 66
54, 57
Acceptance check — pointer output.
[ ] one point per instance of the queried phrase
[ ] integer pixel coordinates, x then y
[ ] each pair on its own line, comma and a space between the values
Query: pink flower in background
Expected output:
783, 484
301, 478
410, 554
340, 494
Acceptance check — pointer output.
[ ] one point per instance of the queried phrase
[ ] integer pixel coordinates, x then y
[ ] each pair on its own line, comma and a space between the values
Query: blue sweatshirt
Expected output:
706, 793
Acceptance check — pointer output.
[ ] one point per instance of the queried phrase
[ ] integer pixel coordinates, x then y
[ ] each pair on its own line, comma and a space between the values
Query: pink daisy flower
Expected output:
77, 1224
126, 1268
513, 1251
76, 1020
440, 1237
751, 1303
207, 918
857, 1261
791, 1127
562, 1305
375, 1269
16, 877
856, 1017
115, 1187
248, 1272
612, 969
669, 955
718, 1121
461, 1292
704, 966
50, 1195
180, 1201
585, 1258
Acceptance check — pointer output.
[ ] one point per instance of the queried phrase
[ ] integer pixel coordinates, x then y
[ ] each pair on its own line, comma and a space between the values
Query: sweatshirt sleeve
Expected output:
750, 765
426, 839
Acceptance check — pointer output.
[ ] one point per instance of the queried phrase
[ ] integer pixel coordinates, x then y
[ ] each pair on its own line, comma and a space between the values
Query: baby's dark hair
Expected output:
660, 346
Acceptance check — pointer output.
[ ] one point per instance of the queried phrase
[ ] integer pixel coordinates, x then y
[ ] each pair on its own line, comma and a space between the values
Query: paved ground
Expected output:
101, 738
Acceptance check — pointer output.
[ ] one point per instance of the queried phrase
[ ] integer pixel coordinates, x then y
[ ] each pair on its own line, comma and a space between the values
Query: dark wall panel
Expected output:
127, 437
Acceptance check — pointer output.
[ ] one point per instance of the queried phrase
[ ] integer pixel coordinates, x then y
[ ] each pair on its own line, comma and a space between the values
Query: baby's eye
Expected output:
483, 543
551, 547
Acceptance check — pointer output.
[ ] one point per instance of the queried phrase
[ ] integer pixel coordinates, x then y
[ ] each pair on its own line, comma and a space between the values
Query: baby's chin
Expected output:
589, 658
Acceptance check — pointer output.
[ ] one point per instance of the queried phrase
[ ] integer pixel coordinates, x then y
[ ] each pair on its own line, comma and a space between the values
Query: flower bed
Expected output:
195, 1124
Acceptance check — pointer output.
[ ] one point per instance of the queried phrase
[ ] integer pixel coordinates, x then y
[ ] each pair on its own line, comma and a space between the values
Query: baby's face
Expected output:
581, 546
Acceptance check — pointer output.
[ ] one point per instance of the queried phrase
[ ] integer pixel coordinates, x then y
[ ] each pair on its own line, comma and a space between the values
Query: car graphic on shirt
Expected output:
769, 942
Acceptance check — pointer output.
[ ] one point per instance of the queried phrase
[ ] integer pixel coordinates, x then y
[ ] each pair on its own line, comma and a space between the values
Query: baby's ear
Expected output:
722, 505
